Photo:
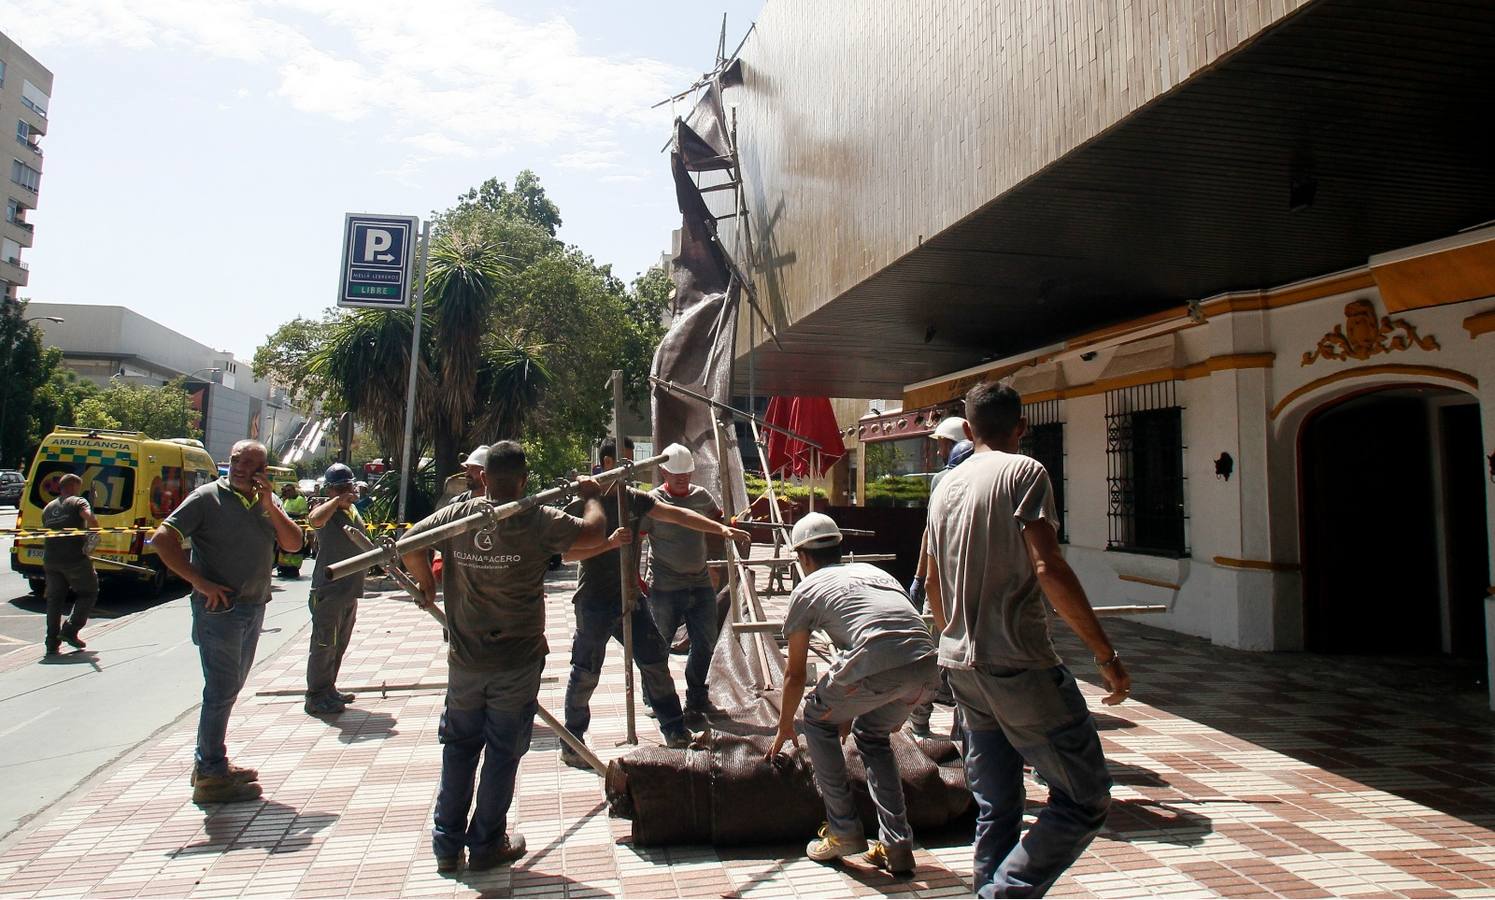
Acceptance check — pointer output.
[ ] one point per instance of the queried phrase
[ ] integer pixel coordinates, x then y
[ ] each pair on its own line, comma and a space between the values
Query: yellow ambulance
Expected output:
131, 481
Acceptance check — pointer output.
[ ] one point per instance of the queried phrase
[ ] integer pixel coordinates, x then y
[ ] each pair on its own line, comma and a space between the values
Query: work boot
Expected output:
896, 857
237, 774
446, 865
223, 789
54, 648
677, 740
512, 849
345, 697
324, 706
828, 847
575, 760
698, 715
70, 635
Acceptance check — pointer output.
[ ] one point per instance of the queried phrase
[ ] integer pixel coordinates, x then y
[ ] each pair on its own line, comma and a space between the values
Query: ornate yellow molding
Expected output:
1264, 565
1362, 336
1468, 381
1480, 323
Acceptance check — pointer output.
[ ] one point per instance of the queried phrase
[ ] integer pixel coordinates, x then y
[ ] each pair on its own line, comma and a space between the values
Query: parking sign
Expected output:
378, 261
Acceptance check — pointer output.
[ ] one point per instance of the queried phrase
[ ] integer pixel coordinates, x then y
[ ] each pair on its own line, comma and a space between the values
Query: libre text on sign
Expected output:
378, 261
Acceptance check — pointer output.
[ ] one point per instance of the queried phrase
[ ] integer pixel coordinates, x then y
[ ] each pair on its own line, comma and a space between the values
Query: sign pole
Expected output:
420, 314
625, 560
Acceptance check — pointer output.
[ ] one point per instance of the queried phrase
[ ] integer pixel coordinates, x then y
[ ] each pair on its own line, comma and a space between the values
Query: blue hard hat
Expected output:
337, 473
959, 454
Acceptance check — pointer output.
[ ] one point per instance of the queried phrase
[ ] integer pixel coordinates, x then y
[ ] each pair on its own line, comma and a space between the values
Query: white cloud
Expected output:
466, 78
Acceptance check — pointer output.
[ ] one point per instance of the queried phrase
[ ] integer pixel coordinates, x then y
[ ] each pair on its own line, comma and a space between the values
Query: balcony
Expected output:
15, 271
34, 148
25, 237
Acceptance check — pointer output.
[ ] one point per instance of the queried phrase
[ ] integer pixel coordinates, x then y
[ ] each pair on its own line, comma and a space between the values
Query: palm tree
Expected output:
463, 281
366, 361
510, 382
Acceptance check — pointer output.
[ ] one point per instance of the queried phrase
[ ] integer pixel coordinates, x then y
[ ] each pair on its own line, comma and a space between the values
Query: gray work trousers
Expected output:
876, 706
332, 619
78, 577
1038, 715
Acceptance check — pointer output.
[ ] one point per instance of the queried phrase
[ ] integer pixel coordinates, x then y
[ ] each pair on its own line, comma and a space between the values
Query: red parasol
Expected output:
811, 417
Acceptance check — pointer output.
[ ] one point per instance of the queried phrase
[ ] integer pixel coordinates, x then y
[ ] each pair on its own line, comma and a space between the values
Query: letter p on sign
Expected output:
376, 241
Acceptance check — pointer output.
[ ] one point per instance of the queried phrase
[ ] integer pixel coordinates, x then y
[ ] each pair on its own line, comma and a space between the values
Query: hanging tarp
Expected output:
697, 350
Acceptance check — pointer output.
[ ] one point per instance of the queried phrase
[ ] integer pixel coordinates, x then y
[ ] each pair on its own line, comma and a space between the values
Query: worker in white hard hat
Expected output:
682, 587
464, 485
885, 666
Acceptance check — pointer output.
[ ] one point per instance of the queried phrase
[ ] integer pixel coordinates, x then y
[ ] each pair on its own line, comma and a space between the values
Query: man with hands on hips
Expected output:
234, 524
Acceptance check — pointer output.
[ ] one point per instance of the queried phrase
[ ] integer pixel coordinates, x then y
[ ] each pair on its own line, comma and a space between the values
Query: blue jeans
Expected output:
489, 715
596, 622
1038, 715
697, 607
226, 642
876, 706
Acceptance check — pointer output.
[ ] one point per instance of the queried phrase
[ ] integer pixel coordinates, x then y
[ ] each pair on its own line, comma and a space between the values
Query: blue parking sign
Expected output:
378, 261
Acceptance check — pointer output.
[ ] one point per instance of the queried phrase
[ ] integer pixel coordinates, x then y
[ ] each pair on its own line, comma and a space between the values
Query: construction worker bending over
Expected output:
66, 564
886, 666
334, 604
681, 587
495, 609
599, 615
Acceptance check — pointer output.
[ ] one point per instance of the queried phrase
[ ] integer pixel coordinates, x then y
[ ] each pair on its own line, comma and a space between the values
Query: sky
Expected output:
201, 154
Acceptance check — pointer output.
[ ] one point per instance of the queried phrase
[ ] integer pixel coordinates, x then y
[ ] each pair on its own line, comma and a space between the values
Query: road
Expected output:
63, 719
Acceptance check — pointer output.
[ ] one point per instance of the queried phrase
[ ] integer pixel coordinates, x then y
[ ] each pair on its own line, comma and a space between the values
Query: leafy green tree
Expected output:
285, 356
526, 202
160, 412
57, 402
24, 367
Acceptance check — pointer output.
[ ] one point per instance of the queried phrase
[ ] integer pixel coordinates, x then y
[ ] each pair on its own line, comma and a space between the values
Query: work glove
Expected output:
916, 592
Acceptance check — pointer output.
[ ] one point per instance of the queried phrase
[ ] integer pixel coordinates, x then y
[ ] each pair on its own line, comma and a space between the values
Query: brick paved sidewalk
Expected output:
1237, 774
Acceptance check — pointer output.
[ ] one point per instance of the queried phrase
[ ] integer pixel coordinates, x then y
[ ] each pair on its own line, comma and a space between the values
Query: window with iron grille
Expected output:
1044, 441
1145, 470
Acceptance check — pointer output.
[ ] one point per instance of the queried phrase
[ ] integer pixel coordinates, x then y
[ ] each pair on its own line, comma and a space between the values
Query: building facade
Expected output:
1236, 254
112, 343
25, 94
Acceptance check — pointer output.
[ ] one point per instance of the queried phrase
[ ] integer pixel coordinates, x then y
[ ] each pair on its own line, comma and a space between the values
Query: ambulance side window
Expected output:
110, 489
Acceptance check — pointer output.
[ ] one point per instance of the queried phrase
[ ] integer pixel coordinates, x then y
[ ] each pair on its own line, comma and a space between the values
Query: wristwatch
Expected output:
1115, 658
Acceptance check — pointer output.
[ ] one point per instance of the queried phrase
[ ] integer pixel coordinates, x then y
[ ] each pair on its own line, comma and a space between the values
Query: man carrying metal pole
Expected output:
599, 615
495, 607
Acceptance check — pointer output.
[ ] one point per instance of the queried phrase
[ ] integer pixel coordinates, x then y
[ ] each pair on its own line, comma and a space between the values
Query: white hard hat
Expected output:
813, 532
952, 428
679, 460
478, 457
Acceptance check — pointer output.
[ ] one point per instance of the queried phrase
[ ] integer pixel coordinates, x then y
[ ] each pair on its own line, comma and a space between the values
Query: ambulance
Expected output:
131, 481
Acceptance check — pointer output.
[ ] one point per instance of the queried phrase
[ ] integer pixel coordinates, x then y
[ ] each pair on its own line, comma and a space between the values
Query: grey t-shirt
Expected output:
233, 542
334, 545
64, 512
495, 583
600, 580
994, 608
678, 554
867, 616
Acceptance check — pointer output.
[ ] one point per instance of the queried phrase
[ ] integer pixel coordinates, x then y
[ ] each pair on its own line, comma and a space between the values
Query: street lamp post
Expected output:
5, 379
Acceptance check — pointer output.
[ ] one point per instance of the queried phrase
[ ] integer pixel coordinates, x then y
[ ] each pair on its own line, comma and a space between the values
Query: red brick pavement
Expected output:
1237, 775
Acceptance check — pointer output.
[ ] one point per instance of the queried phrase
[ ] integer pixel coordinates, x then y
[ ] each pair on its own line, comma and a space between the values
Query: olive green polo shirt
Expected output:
233, 540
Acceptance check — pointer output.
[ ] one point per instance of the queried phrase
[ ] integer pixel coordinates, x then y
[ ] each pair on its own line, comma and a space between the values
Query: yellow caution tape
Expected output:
23, 533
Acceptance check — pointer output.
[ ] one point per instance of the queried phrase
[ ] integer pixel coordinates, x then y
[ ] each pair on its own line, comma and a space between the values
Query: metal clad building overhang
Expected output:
1378, 114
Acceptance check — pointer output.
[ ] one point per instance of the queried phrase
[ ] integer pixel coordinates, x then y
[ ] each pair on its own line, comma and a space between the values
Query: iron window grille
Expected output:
1044, 441
1145, 470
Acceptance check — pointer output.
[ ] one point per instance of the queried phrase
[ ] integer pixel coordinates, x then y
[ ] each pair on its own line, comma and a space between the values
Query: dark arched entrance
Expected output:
1393, 524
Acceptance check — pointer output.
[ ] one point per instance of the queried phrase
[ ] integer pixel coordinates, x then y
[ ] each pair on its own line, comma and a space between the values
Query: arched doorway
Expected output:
1393, 524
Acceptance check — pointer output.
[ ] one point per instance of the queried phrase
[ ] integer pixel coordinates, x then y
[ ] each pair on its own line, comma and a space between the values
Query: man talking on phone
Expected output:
234, 524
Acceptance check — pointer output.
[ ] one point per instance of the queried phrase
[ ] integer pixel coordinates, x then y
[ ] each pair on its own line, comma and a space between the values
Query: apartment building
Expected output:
25, 93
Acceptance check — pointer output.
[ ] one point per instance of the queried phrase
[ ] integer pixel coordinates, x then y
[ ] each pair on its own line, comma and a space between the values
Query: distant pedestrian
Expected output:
334, 604
495, 607
994, 559
918, 720
682, 587
287, 562
235, 524
885, 666
67, 566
